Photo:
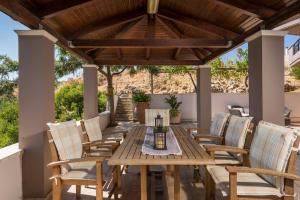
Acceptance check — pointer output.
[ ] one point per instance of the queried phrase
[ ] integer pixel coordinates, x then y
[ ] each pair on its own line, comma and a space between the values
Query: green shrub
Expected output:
141, 96
174, 105
8, 122
69, 102
295, 72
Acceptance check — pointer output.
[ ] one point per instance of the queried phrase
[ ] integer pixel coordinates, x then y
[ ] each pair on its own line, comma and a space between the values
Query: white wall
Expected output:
219, 103
10, 172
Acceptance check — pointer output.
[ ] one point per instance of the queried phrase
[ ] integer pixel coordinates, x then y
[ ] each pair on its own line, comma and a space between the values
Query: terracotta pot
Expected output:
176, 120
140, 111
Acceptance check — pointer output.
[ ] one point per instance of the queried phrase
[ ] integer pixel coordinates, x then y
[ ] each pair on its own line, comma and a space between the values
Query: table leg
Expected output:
143, 182
176, 182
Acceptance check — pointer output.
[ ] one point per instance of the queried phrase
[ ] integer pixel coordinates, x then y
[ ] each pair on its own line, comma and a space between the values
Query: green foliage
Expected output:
174, 105
7, 69
8, 122
69, 102
141, 96
65, 63
295, 72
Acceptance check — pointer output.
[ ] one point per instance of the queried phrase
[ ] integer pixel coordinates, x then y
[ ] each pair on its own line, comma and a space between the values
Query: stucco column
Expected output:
204, 97
36, 101
90, 81
266, 76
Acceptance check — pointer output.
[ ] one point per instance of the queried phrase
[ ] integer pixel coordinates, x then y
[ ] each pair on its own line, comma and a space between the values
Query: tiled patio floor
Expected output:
131, 184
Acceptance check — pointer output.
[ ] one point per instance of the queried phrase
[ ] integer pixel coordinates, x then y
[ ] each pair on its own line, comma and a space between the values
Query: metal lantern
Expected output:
159, 122
160, 141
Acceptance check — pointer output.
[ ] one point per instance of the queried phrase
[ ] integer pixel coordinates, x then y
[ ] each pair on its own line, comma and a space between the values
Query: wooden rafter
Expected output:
119, 54
199, 24
18, 11
150, 32
270, 23
141, 61
248, 8
60, 8
107, 23
176, 53
151, 43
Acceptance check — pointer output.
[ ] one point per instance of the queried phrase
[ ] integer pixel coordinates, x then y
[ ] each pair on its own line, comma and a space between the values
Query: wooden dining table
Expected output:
130, 153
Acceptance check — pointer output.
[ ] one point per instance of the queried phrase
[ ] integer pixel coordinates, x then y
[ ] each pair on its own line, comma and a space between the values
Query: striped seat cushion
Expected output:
66, 137
150, 115
271, 148
237, 131
218, 123
248, 184
93, 129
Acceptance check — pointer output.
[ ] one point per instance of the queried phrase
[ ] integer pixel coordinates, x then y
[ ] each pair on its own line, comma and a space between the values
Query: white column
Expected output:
90, 81
36, 101
204, 97
266, 76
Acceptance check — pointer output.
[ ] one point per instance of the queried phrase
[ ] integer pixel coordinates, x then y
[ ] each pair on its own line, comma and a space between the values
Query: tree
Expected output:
242, 64
109, 72
8, 77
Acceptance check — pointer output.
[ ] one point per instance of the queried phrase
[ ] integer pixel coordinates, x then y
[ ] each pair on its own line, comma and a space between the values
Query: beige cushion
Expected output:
271, 148
218, 123
81, 170
93, 129
247, 183
66, 137
225, 158
237, 131
114, 133
150, 115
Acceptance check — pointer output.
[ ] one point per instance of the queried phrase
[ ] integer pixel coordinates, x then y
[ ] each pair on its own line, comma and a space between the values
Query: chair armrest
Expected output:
189, 130
100, 142
268, 172
213, 148
200, 137
77, 160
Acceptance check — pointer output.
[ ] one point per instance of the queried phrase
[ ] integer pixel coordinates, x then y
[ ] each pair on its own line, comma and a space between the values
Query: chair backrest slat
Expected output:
218, 124
92, 128
272, 148
66, 137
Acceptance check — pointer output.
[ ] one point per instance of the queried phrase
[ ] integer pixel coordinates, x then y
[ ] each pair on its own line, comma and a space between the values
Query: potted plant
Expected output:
175, 113
142, 103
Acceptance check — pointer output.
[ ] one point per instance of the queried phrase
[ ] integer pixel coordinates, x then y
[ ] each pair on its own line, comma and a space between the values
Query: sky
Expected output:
9, 40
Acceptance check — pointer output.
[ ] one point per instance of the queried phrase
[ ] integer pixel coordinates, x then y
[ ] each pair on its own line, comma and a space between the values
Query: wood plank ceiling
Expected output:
122, 32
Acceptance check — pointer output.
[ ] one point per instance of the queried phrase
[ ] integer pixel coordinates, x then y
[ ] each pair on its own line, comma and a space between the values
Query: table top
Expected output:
130, 151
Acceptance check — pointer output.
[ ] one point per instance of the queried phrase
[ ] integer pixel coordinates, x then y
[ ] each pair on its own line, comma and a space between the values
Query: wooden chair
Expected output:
216, 132
92, 134
150, 114
238, 137
70, 164
270, 173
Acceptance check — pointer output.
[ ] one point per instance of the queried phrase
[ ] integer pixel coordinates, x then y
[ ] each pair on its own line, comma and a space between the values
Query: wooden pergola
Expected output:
140, 32
187, 32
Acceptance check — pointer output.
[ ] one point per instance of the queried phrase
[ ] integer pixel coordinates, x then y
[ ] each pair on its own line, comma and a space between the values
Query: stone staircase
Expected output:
124, 110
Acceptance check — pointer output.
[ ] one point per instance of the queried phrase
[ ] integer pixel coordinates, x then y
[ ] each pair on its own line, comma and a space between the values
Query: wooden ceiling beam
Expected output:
141, 61
248, 8
151, 43
63, 6
104, 24
150, 34
176, 53
17, 10
199, 24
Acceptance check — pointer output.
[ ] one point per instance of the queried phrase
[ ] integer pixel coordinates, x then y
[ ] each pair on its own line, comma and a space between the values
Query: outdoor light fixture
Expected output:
152, 6
160, 141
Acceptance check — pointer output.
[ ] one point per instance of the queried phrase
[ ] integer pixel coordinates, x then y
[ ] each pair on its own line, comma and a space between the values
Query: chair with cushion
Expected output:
216, 131
70, 164
92, 134
150, 115
270, 173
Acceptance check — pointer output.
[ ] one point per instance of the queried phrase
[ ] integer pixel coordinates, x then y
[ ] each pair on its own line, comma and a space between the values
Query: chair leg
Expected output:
209, 186
56, 185
78, 192
99, 186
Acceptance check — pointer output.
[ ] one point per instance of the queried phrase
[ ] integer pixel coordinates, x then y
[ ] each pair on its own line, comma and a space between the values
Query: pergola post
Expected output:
266, 76
36, 101
90, 81
204, 97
